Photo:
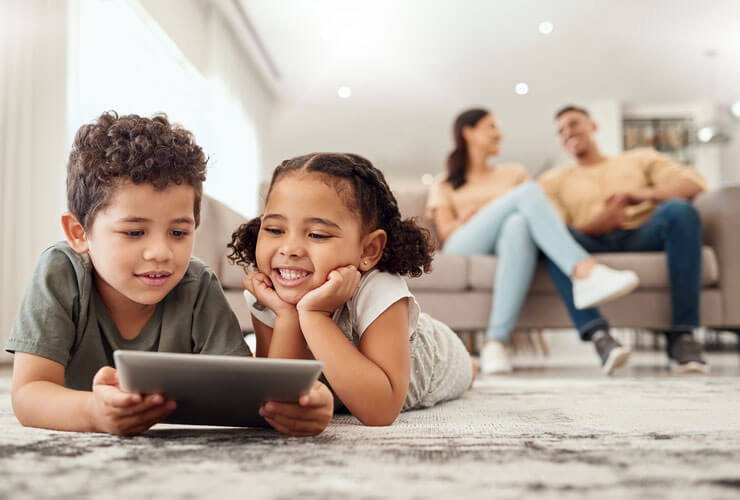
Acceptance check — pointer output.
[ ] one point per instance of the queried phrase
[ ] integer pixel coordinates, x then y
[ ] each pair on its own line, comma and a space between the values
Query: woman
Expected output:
482, 209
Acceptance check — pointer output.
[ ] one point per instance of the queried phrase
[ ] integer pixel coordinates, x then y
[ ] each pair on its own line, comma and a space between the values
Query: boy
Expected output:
125, 279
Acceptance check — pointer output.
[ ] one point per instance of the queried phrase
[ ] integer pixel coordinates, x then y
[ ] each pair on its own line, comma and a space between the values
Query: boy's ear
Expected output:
75, 233
372, 249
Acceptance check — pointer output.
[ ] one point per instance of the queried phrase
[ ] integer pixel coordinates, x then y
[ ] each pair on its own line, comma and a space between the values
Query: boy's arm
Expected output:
40, 400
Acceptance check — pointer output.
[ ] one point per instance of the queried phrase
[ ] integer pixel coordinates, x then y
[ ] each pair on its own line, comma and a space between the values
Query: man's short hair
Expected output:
130, 148
571, 107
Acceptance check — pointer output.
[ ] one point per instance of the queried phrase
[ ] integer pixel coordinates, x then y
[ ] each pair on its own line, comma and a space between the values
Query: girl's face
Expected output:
307, 232
484, 136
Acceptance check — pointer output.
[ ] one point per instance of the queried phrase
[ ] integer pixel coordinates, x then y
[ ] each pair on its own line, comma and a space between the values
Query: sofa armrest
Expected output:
720, 216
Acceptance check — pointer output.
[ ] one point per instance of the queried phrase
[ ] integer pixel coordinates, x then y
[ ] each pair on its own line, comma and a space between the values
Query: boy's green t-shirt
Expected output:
63, 318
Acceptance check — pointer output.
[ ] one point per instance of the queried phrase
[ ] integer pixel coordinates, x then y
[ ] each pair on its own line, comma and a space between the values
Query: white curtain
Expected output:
33, 149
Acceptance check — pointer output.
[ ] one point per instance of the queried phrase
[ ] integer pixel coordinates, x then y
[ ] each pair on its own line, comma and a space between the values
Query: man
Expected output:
636, 201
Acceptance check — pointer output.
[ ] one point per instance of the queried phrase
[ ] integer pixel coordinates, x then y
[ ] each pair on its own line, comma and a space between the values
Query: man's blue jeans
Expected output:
674, 228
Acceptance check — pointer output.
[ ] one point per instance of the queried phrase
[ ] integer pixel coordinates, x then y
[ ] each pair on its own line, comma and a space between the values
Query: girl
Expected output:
482, 209
329, 253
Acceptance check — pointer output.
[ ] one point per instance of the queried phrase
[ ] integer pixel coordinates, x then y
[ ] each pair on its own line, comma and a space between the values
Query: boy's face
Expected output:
140, 244
307, 232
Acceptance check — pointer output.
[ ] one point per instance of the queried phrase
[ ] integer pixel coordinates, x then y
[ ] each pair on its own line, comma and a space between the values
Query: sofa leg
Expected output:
468, 339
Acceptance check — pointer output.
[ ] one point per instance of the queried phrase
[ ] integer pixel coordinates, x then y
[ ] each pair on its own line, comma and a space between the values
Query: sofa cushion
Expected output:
217, 222
449, 274
651, 267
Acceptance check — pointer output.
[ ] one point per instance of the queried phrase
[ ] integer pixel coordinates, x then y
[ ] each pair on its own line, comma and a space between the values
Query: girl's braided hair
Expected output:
364, 190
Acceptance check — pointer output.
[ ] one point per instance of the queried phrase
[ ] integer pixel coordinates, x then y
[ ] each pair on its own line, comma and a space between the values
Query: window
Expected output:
126, 62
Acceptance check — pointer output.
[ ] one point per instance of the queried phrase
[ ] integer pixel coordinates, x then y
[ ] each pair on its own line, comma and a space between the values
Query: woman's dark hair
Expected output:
364, 190
132, 148
457, 161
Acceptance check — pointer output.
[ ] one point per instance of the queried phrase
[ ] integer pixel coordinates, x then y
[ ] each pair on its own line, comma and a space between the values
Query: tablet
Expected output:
215, 390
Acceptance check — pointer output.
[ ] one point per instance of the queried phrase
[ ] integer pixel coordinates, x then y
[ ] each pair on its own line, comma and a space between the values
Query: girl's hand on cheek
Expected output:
339, 287
260, 285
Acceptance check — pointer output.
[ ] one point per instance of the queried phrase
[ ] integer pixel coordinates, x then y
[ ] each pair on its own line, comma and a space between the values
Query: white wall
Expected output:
730, 154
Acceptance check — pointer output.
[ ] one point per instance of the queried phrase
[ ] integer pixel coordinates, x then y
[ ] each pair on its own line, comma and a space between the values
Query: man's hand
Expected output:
260, 285
339, 287
308, 417
612, 217
632, 197
123, 413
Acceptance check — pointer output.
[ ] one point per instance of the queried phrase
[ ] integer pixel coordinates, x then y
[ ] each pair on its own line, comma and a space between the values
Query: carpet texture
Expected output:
546, 435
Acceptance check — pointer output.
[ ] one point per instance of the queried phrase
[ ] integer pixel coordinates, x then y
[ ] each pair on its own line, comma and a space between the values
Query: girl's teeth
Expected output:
291, 275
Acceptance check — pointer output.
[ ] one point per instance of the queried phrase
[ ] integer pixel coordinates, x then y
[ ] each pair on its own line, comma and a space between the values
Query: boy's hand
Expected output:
339, 287
260, 285
124, 413
308, 417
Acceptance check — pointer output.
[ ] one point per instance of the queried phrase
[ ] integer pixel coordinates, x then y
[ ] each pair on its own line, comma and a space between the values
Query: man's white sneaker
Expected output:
493, 358
602, 285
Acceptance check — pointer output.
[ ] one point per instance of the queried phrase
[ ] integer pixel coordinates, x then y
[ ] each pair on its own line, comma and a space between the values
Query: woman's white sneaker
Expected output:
602, 285
493, 358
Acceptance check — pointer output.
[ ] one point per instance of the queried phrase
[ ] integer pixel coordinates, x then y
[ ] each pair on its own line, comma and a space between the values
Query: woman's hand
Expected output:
465, 216
260, 285
339, 287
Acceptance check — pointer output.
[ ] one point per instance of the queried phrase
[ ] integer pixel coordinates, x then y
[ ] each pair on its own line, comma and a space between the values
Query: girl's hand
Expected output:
339, 287
260, 285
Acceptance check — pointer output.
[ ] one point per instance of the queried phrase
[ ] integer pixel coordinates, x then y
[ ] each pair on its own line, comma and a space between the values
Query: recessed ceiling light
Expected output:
344, 92
521, 88
546, 27
427, 179
705, 134
735, 109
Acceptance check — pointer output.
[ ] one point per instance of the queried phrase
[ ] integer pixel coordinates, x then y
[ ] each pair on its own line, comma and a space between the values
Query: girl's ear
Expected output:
372, 249
75, 233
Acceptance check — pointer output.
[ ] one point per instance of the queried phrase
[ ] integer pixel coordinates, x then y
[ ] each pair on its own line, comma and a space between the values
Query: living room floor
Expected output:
554, 430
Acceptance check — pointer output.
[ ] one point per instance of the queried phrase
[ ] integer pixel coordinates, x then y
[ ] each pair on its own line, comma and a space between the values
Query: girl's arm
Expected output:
284, 339
373, 381
313, 411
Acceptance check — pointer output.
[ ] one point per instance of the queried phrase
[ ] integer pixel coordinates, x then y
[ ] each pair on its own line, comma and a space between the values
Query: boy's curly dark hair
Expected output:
132, 148
365, 191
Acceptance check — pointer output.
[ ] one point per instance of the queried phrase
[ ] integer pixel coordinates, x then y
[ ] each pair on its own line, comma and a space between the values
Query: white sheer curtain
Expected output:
33, 149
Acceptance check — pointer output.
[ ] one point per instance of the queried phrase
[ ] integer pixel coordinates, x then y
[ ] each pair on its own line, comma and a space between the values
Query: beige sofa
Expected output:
458, 291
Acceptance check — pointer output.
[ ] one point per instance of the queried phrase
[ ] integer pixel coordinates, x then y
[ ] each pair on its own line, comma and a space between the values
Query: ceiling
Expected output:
427, 50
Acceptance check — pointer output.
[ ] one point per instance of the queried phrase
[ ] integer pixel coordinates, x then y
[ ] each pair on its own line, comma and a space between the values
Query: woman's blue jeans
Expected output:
674, 228
513, 227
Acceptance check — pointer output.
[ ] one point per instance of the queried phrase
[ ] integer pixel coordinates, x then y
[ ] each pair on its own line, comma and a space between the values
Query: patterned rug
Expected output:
549, 434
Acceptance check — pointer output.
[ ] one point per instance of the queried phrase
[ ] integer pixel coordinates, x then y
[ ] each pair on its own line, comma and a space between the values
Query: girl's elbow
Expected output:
378, 420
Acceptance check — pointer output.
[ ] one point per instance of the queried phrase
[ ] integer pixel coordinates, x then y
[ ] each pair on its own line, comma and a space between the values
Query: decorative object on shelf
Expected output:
672, 136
